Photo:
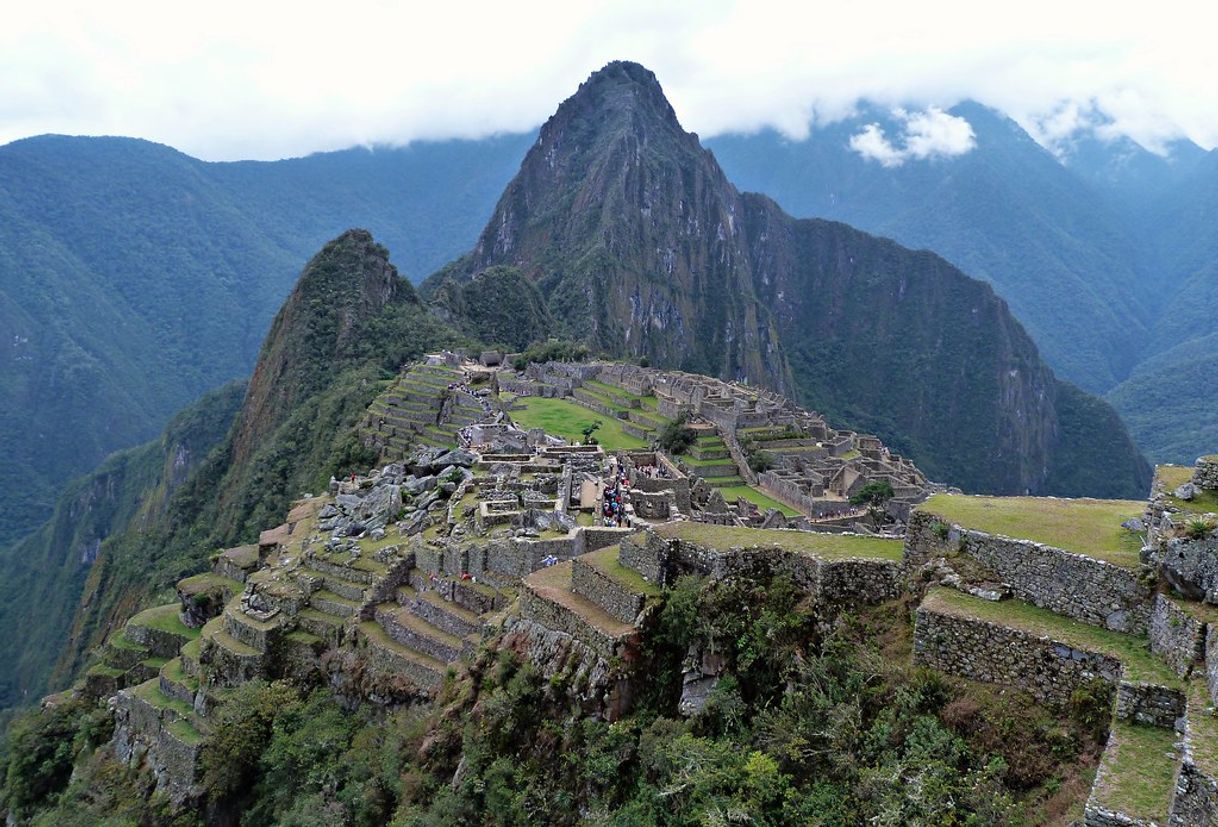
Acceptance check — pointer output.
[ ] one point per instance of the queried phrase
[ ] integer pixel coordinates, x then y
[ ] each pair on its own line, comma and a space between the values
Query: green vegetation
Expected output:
1203, 728
567, 419
1138, 773
757, 498
812, 544
1091, 527
165, 618
606, 559
499, 306
1133, 652
677, 437
552, 350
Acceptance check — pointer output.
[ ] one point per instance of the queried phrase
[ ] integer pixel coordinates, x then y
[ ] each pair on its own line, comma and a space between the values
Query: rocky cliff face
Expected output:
640, 245
632, 233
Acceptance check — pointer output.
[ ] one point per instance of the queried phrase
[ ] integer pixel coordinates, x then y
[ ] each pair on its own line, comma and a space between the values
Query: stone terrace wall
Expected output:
984, 652
1176, 636
832, 582
1074, 585
1196, 800
1205, 474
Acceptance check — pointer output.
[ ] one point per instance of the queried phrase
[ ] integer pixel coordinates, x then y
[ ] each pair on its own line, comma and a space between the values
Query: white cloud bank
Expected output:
258, 79
925, 135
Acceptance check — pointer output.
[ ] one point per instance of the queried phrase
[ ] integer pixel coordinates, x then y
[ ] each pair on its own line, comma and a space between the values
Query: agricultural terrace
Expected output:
1084, 526
808, 543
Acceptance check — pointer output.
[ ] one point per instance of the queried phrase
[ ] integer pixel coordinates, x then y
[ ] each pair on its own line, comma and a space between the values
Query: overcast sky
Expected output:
225, 80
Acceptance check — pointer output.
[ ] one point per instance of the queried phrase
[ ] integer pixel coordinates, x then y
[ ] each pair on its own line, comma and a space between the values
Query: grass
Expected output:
106, 670
1140, 664
757, 498
1171, 477
705, 463
1138, 771
184, 730
606, 560
1203, 728
164, 618
150, 691
1090, 527
566, 419
811, 543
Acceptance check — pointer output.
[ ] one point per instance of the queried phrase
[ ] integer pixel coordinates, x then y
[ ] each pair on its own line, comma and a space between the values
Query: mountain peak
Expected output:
619, 95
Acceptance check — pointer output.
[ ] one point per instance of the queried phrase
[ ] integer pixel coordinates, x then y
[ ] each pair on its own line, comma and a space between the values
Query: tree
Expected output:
676, 437
874, 495
589, 430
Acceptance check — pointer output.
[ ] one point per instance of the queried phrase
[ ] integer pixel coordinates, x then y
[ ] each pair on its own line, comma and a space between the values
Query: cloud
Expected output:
932, 133
269, 79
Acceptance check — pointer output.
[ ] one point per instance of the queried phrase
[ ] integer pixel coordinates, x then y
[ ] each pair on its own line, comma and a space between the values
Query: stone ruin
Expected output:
388, 581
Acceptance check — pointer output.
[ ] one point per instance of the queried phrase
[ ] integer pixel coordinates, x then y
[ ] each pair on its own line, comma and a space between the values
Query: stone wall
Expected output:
1074, 585
1176, 636
1158, 706
982, 651
1211, 662
1196, 800
142, 733
604, 591
1205, 474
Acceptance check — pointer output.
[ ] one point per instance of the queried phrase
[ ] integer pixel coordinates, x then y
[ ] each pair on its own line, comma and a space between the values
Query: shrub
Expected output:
1198, 528
761, 461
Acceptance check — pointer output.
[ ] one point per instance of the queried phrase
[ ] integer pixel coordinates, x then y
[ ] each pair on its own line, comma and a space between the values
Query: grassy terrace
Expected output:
165, 618
1090, 527
731, 492
1138, 772
606, 560
810, 543
1171, 477
566, 419
1133, 652
1203, 728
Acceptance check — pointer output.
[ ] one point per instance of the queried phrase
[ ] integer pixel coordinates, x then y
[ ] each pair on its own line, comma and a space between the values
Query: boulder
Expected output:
1187, 491
458, 457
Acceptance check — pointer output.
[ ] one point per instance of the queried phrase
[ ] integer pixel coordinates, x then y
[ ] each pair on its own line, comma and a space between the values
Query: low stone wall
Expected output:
141, 733
1176, 636
646, 554
1205, 473
982, 651
1211, 662
588, 581
557, 617
1158, 706
160, 644
1196, 800
1074, 585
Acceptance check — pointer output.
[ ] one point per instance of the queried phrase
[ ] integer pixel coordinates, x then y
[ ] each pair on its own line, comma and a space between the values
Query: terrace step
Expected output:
343, 586
1136, 778
176, 683
333, 604
256, 634
548, 599
324, 625
441, 613
478, 597
411, 630
602, 579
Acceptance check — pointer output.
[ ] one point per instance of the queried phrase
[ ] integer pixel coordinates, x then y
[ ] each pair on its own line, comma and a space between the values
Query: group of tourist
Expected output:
613, 501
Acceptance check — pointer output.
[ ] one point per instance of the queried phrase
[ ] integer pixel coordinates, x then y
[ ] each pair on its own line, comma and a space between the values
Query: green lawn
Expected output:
564, 418
1140, 664
757, 498
1091, 527
1203, 728
1138, 771
166, 619
811, 543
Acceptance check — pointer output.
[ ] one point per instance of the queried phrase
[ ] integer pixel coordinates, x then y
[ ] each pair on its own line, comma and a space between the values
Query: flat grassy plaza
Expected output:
567, 419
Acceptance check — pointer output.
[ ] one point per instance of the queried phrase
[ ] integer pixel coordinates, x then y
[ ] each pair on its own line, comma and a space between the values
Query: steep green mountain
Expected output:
1006, 212
1105, 254
641, 246
43, 576
153, 514
133, 278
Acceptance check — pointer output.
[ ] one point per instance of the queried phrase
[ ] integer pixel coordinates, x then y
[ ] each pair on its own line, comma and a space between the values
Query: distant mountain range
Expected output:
132, 277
